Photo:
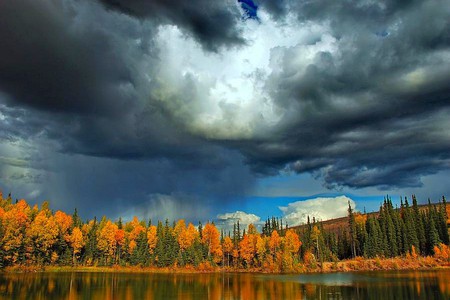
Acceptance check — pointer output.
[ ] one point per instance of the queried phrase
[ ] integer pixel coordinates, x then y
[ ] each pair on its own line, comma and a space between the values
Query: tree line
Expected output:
408, 230
39, 236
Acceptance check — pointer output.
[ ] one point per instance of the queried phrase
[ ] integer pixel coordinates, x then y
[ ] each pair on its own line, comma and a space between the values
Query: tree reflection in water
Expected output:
89, 285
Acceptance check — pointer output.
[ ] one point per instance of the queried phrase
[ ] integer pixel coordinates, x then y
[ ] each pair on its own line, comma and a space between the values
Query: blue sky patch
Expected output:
250, 9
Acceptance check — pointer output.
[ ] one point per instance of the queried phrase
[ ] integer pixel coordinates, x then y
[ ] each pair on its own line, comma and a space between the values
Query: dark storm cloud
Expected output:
51, 60
373, 112
212, 23
79, 81
84, 71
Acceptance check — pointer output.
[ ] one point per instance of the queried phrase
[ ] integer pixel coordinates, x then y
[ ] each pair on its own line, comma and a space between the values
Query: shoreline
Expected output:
353, 265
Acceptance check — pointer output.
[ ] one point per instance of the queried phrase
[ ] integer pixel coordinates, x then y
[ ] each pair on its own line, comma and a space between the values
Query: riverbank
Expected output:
353, 265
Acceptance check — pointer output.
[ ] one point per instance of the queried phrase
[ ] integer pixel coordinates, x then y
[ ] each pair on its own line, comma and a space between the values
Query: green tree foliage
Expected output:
29, 235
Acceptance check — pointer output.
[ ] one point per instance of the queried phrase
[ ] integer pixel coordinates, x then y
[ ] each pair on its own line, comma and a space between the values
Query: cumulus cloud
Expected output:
227, 220
322, 208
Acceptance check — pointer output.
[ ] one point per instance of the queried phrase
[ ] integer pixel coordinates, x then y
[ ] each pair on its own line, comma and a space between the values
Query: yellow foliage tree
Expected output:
77, 242
227, 248
42, 234
152, 238
274, 242
211, 238
292, 242
106, 240
247, 249
187, 237
64, 222
15, 222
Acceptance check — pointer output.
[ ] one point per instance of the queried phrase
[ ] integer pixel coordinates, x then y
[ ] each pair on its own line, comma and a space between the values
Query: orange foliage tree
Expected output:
152, 238
106, 240
42, 233
64, 222
261, 249
134, 228
211, 239
274, 243
227, 248
77, 242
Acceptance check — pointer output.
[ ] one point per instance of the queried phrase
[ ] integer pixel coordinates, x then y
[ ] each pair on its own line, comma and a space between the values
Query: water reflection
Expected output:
375, 285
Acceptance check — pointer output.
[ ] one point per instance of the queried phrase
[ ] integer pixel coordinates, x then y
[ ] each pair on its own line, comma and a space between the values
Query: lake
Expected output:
359, 285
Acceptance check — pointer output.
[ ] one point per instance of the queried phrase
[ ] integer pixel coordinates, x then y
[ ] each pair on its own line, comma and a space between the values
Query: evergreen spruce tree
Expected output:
432, 234
371, 248
420, 226
91, 253
160, 251
140, 255
352, 227
77, 222
382, 218
410, 228
442, 222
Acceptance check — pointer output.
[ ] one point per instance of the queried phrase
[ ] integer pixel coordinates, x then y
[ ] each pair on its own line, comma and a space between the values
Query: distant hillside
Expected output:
333, 225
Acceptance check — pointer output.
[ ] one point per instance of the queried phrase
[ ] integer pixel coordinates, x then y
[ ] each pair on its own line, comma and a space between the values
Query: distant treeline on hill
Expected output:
39, 236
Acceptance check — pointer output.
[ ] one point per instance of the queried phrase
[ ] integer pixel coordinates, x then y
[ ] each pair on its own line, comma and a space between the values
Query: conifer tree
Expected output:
442, 222
352, 227
420, 226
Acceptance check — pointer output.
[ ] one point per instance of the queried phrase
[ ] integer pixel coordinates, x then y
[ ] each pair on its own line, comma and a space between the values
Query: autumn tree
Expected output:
106, 240
227, 248
42, 235
247, 249
134, 228
292, 242
188, 240
65, 225
76, 242
211, 239
14, 224
274, 243
120, 242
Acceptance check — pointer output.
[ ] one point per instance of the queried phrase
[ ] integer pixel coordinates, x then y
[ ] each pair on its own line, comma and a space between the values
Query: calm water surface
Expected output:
82, 285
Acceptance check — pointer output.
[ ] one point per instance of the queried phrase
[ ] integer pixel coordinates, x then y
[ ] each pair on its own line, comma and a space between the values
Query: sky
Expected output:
224, 110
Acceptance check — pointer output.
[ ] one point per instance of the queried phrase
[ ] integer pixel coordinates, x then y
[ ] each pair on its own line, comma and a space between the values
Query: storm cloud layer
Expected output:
194, 100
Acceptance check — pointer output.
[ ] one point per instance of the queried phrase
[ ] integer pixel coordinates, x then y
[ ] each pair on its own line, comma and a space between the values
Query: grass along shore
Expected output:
351, 265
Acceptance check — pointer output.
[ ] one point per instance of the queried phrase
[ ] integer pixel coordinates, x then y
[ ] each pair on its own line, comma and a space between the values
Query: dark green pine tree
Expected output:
420, 226
442, 222
411, 226
91, 254
77, 222
383, 220
344, 245
391, 232
352, 227
237, 234
399, 230
160, 247
140, 255
331, 244
172, 246
432, 234
431, 229
372, 247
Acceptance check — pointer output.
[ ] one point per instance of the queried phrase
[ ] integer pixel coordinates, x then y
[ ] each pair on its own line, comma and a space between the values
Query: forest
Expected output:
41, 237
